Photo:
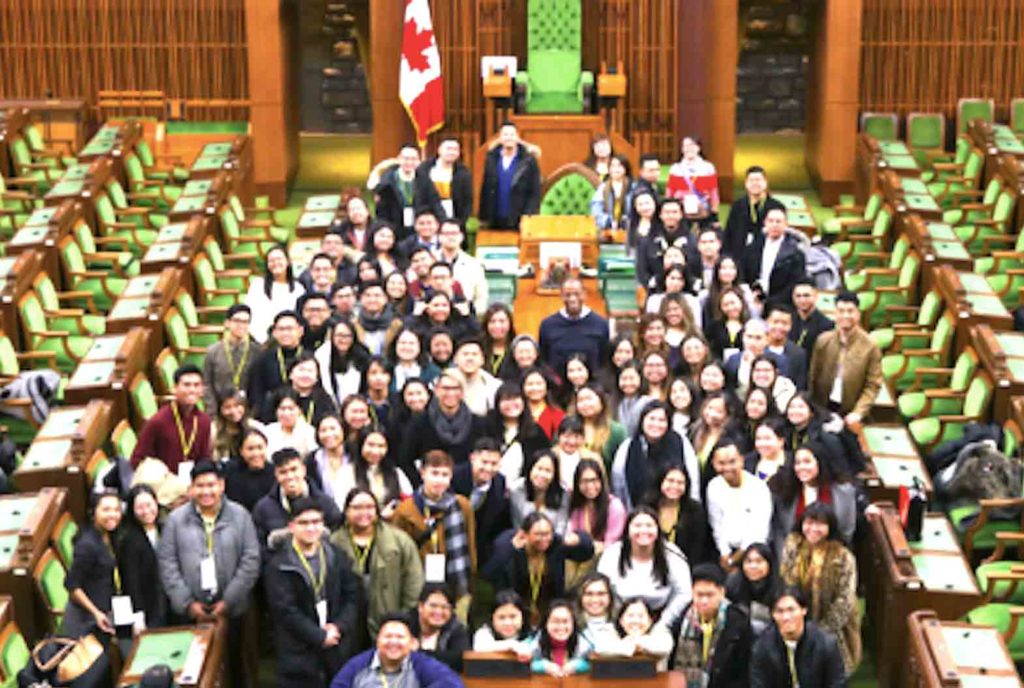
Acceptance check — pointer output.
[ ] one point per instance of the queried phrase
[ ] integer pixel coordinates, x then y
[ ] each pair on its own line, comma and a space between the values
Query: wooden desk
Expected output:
667, 679
952, 653
893, 461
114, 140
16, 275
175, 246
43, 231
996, 140
84, 182
535, 229
909, 195
1002, 354
193, 653
937, 244
319, 213
234, 156
59, 454
902, 577
143, 303
872, 157
26, 522
974, 301
63, 119
108, 368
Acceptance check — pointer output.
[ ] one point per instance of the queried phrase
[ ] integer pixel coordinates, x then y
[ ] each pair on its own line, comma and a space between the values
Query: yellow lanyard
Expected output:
186, 444
362, 552
236, 373
117, 573
208, 526
802, 337
280, 362
536, 578
434, 535
707, 630
317, 581
310, 411
754, 209
670, 532
791, 655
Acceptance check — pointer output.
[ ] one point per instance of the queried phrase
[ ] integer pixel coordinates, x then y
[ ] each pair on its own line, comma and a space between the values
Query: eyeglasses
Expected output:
307, 522
240, 321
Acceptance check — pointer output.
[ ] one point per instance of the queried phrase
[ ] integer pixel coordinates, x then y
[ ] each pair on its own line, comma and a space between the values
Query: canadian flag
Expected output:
420, 83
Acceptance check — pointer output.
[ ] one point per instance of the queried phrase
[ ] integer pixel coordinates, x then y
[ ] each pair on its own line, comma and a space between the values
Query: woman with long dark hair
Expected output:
136, 555
406, 405
755, 584
373, 468
650, 450
593, 509
250, 476
621, 351
524, 354
410, 360
601, 434
325, 464
560, 649
342, 359
515, 429
376, 386
643, 565
628, 397
725, 332
382, 248
507, 628
575, 374
806, 422
498, 332
540, 403
540, 490
233, 419
92, 580
680, 515
277, 290
439, 313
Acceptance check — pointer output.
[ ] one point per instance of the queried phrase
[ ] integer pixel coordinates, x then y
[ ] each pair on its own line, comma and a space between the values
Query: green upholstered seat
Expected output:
14, 656
120, 263
68, 348
959, 183
870, 277
1004, 590
846, 215
83, 323
854, 243
178, 337
64, 540
982, 236
970, 109
215, 289
972, 211
201, 333
914, 404
926, 135
165, 365
50, 576
158, 193
879, 296
899, 368
928, 432
555, 81
144, 403
124, 439
103, 286
569, 195
884, 126
177, 173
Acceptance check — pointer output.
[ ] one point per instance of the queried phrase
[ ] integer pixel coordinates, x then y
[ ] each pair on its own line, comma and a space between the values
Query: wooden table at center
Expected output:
26, 522
193, 653
537, 229
59, 455
1002, 354
953, 653
107, 369
893, 461
902, 577
973, 300
143, 303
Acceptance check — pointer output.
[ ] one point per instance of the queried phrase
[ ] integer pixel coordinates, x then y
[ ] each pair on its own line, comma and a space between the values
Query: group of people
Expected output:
375, 461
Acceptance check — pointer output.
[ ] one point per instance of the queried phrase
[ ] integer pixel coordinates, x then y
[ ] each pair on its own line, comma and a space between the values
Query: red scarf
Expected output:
824, 496
559, 651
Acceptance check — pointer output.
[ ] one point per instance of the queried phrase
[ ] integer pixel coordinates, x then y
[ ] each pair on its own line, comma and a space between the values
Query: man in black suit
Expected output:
484, 486
780, 323
746, 217
809, 321
709, 250
511, 185
774, 260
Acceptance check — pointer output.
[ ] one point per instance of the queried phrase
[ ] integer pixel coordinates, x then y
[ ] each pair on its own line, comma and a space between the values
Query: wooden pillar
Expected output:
391, 126
833, 99
272, 94
707, 81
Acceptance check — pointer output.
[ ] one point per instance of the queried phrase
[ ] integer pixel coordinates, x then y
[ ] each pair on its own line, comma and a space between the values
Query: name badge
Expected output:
408, 218
208, 574
434, 568
121, 608
448, 206
139, 623
185, 470
321, 612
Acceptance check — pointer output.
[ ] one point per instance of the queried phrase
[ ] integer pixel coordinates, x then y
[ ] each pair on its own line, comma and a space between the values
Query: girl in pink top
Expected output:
592, 509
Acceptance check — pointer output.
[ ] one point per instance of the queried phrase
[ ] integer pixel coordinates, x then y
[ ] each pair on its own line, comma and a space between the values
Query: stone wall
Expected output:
771, 77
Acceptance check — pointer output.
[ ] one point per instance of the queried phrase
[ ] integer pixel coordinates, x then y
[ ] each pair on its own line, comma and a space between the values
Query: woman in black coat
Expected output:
681, 517
136, 556
91, 581
426, 195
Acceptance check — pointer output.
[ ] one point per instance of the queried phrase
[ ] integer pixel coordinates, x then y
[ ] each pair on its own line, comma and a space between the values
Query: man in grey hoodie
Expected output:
209, 559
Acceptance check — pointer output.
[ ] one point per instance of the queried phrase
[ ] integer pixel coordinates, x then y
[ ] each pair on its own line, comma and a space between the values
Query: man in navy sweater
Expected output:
574, 329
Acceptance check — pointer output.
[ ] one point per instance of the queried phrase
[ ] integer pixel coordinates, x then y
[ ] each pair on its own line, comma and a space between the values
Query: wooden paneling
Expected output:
925, 54
189, 49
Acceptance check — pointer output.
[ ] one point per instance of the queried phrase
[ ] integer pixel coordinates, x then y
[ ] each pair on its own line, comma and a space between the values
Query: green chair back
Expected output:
973, 165
177, 330
124, 439
43, 286
187, 308
143, 397
235, 203
931, 309
117, 194
1004, 207
133, 169
166, 365
15, 655
883, 220
966, 364
884, 126
206, 280
942, 335
33, 319
212, 250
553, 55
71, 254
970, 109
926, 130
9, 365
145, 153
900, 249
105, 209
908, 272
84, 237
978, 397
65, 540
21, 154
570, 195
51, 583
34, 137
992, 191
1017, 116
872, 207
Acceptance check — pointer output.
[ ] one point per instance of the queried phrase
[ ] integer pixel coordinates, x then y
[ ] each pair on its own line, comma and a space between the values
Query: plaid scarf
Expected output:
456, 542
690, 651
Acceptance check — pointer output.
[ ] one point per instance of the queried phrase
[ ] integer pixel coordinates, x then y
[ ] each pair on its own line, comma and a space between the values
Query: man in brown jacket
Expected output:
443, 526
846, 366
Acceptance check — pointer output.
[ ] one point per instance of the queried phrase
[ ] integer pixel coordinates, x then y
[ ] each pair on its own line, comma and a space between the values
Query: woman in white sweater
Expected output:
643, 565
508, 627
276, 291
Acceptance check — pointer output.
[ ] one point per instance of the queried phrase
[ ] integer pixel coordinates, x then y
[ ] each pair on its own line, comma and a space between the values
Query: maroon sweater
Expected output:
160, 439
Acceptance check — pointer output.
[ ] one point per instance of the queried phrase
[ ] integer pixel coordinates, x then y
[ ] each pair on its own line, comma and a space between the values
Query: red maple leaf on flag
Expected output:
415, 43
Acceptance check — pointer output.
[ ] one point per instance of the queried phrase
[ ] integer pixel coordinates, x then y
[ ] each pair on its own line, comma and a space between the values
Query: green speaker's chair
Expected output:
555, 82
568, 190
